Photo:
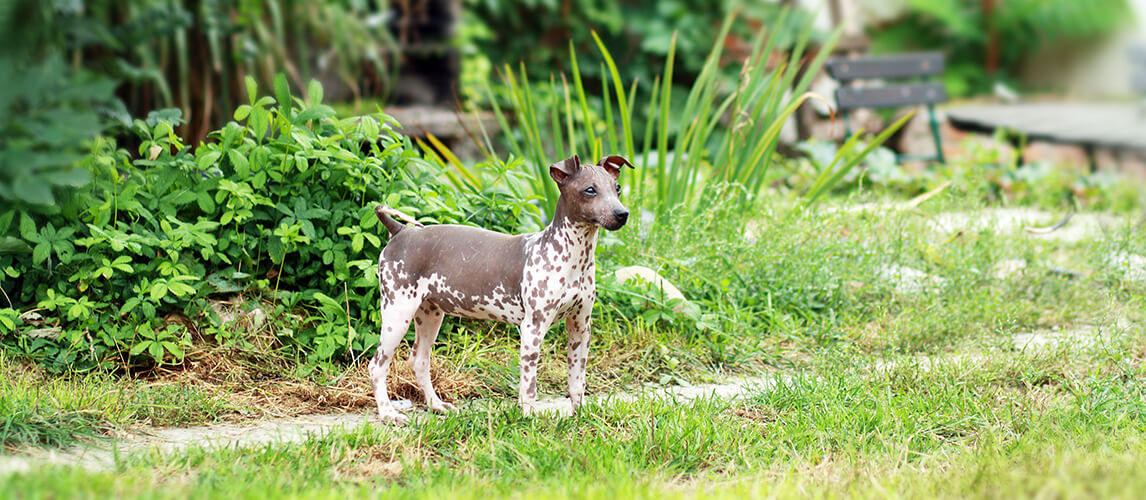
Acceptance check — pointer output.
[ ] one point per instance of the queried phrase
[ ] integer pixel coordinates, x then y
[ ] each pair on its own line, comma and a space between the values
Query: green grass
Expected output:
1009, 424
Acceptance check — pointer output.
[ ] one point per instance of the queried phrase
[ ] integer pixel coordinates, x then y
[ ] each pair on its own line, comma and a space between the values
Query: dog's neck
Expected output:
580, 238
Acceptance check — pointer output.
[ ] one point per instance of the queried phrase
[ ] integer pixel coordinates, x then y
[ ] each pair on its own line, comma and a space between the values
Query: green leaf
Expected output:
76, 311
206, 204
239, 162
11, 245
72, 177
316, 112
252, 88
7, 322
158, 291
155, 350
41, 253
140, 347
314, 92
282, 93
32, 191
129, 305
180, 289
242, 112
28, 228
173, 348
207, 160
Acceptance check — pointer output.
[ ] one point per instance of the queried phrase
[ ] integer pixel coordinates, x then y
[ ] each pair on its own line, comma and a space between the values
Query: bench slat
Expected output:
890, 96
891, 66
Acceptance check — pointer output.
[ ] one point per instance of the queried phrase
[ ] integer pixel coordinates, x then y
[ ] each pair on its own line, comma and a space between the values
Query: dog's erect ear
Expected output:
613, 164
564, 169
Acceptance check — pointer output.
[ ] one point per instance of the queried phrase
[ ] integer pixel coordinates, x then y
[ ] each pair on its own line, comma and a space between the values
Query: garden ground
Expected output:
976, 360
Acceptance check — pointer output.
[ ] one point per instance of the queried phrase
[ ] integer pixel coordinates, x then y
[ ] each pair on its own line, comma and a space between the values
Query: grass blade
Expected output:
622, 103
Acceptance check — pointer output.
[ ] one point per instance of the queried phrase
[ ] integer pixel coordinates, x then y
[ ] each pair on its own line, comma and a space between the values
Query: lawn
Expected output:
884, 385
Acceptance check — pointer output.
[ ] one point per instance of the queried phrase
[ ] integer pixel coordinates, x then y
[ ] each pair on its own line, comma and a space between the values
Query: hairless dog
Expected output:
531, 280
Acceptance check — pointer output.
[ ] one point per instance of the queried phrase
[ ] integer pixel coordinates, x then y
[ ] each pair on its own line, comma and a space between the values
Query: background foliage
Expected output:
194, 54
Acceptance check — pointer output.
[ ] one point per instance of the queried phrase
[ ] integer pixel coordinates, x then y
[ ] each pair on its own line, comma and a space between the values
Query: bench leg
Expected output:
935, 133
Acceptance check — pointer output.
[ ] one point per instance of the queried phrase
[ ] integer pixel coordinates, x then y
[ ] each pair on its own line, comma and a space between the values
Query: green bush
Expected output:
276, 209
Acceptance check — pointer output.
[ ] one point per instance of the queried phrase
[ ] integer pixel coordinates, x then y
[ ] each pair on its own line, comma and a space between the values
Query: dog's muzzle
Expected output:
620, 217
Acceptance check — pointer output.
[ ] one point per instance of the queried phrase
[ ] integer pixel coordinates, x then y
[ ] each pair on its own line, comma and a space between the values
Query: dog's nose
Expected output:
621, 215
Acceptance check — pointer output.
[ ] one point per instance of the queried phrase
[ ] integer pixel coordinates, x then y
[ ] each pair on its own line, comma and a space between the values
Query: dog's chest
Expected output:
558, 275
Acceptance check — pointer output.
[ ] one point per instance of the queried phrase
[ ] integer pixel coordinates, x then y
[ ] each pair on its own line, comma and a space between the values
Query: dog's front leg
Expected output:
532, 331
577, 326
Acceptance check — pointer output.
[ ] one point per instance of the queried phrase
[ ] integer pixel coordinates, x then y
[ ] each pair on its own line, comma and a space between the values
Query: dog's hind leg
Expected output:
396, 315
427, 322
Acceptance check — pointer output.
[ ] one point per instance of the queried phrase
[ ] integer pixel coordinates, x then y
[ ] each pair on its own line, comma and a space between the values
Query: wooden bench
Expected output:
912, 72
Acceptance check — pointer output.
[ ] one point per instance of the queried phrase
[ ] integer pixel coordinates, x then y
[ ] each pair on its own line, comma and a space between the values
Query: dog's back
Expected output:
466, 271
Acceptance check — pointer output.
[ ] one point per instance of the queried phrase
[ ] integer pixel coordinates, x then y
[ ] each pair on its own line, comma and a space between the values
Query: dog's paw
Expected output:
443, 407
392, 417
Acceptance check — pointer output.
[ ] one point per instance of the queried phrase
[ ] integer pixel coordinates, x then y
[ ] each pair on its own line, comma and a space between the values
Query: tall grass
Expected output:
724, 134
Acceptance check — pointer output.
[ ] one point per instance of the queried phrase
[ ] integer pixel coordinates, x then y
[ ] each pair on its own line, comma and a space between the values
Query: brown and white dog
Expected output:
531, 280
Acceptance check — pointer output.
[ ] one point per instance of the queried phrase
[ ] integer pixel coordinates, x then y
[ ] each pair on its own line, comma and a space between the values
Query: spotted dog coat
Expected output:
531, 280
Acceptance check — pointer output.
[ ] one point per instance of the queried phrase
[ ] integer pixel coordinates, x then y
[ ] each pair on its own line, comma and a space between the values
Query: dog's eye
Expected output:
591, 191
618, 186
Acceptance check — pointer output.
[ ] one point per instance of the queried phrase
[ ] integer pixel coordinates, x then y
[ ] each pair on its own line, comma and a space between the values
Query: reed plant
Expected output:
726, 134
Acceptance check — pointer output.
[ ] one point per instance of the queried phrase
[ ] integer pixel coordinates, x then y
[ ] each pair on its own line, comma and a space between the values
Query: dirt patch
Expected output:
254, 391
370, 464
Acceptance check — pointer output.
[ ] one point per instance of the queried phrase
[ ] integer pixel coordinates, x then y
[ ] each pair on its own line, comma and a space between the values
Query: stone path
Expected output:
166, 441
1080, 227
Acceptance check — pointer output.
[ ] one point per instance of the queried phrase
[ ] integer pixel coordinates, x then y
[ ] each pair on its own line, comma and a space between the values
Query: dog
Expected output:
531, 280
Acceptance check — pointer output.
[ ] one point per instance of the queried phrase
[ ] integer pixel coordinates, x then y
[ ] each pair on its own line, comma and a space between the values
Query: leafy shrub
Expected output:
276, 209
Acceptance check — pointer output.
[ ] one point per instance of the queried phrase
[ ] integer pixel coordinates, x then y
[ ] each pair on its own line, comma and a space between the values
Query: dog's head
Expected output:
590, 193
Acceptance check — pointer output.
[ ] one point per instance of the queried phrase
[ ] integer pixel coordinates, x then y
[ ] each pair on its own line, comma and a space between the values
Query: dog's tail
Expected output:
384, 214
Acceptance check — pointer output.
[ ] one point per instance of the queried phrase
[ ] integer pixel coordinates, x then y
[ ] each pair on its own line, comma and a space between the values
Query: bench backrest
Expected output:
898, 66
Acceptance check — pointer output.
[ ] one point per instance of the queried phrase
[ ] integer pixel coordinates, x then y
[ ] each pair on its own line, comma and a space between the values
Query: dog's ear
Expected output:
564, 169
613, 164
